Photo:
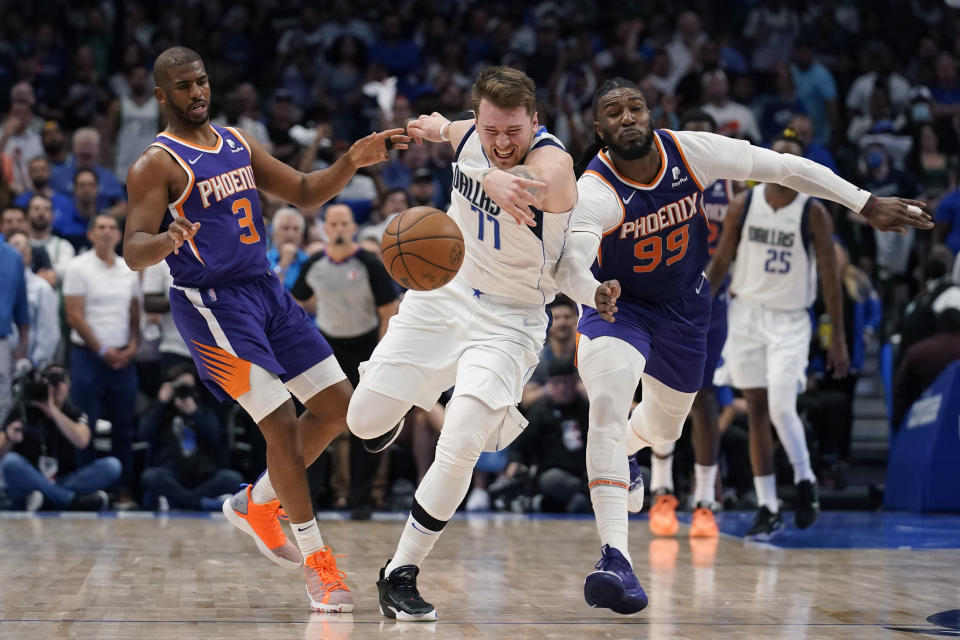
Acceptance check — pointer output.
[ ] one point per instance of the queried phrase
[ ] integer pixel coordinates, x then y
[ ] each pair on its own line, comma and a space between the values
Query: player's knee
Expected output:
371, 414
468, 424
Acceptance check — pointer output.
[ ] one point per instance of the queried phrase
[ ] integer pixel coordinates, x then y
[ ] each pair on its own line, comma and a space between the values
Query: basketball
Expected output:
422, 248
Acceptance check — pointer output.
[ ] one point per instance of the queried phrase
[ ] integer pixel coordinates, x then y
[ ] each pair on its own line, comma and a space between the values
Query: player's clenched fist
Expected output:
180, 231
606, 299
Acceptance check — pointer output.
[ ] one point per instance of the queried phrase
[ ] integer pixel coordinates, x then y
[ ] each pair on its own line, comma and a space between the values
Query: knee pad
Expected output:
371, 414
659, 418
468, 426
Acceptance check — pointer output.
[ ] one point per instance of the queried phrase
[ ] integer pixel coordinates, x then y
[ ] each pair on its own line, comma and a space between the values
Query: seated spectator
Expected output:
39, 169
86, 153
15, 219
286, 255
38, 450
40, 216
555, 443
939, 292
184, 438
44, 306
561, 344
924, 362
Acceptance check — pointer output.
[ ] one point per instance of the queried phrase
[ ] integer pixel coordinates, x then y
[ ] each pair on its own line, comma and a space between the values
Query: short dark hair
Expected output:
563, 301
15, 208
96, 178
697, 115
93, 220
172, 57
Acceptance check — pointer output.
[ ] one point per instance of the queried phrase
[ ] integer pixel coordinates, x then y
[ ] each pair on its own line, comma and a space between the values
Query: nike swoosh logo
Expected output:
414, 525
197, 159
627, 200
304, 528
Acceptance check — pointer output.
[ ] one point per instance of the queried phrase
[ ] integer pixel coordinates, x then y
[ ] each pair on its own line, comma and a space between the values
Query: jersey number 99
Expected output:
649, 251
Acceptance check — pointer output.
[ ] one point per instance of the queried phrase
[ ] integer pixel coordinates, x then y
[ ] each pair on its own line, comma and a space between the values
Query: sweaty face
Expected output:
624, 124
186, 93
505, 134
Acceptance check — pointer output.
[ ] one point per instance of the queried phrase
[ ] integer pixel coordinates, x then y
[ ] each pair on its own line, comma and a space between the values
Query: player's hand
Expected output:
838, 358
512, 194
605, 299
375, 147
181, 230
896, 214
427, 127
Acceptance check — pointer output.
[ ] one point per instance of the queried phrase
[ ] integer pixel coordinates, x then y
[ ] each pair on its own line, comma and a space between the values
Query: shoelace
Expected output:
324, 564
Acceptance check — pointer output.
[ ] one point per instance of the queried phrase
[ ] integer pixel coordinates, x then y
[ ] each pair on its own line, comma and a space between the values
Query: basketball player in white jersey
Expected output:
638, 221
781, 238
513, 190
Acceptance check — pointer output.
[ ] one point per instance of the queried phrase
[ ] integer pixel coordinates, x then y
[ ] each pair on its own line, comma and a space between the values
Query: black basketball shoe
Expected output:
399, 597
808, 504
380, 443
765, 525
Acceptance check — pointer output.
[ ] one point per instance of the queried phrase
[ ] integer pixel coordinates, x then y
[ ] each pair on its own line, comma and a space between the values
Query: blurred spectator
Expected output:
686, 41
881, 73
561, 344
283, 115
423, 191
86, 154
88, 95
40, 218
133, 121
777, 109
392, 203
921, 106
924, 362
394, 49
353, 298
19, 134
733, 119
39, 170
935, 170
286, 254
879, 125
45, 437
946, 89
241, 109
341, 20
947, 219
86, 194
101, 294
816, 89
156, 302
772, 27
44, 306
15, 219
555, 443
54, 148
803, 125
184, 438
939, 292
6, 178
14, 310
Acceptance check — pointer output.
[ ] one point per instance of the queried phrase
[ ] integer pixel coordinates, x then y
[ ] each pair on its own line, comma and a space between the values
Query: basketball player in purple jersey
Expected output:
194, 203
704, 413
640, 222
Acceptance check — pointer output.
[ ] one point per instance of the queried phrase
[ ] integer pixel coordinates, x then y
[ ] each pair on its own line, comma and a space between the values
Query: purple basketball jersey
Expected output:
221, 194
659, 249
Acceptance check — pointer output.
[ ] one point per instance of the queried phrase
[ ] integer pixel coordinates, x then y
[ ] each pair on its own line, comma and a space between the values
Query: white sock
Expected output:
308, 536
766, 487
415, 543
705, 483
661, 467
610, 509
803, 471
263, 491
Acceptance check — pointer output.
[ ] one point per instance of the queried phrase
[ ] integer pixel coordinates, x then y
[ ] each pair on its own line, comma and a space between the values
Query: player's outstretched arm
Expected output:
310, 190
727, 244
544, 181
150, 181
821, 228
436, 128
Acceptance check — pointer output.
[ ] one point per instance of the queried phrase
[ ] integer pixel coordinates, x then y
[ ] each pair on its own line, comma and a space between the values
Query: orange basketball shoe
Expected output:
663, 515
260, 522
704, 525
325, 583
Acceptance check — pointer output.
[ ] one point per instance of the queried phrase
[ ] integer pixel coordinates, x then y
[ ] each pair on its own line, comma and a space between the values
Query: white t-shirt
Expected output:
734, 119
61, 252
157, 280
107, 293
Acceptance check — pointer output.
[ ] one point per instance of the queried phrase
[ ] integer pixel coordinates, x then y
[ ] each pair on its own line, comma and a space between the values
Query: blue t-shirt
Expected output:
815, 87
949, 213
293, 271
13, 295
63, 209
110, 189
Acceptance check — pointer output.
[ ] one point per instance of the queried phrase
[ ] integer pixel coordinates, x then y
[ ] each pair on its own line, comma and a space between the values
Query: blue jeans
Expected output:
161, 481
22, 478
102, 392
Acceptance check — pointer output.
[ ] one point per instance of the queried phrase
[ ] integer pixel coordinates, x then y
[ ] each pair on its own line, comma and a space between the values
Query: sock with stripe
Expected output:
420, 533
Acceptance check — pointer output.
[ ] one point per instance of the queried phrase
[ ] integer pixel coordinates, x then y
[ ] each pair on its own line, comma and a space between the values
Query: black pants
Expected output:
350, 352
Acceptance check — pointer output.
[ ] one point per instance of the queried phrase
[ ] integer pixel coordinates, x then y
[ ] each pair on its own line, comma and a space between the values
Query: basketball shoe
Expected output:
260, 521
399, 597
635, 494
325, 583
704, 524
380, 443
765, 525
614, 585
808, 504
663, 514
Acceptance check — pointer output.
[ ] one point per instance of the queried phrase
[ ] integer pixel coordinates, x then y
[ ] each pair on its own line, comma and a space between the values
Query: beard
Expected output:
184, 116
340, 240
39, 225
633, 150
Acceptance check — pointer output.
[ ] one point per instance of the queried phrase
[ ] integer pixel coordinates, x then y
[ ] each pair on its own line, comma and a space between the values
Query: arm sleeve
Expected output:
712, 157
301, 290
574, 277
380, 282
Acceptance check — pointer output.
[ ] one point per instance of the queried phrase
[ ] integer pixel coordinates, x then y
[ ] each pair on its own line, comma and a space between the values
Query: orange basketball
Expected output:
422, 248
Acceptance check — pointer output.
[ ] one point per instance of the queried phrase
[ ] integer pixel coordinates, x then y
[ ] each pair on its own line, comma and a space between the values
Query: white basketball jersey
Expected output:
775, 265
504, 260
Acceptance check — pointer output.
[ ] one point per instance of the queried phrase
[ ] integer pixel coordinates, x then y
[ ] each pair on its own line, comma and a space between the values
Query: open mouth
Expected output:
503, 155
199, 109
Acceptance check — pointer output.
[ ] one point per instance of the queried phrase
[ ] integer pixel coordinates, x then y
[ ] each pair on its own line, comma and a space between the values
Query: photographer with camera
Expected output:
184, 438
39, 443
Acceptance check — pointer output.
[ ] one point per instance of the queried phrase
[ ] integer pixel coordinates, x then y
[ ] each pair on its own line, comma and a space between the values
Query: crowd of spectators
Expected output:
872, 88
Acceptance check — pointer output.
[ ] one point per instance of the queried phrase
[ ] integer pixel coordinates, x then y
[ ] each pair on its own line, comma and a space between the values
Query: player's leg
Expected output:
768, 520
706, 448
610, 369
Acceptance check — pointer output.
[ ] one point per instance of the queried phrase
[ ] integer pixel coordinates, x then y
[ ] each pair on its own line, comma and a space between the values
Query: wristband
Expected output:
443, 129
102, 350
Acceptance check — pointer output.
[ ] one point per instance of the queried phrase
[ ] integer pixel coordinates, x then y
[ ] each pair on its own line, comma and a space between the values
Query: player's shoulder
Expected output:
153, 161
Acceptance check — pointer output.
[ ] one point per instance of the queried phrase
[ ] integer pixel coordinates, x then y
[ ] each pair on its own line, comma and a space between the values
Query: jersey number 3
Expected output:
649, 251
242, 206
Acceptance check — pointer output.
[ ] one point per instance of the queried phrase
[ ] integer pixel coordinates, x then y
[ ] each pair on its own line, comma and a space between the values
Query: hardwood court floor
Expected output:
493, 577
